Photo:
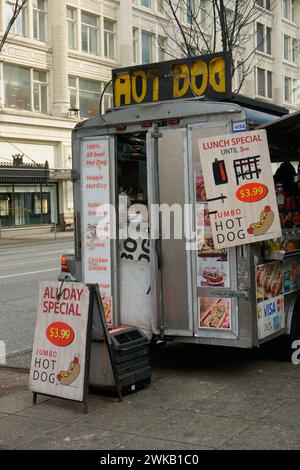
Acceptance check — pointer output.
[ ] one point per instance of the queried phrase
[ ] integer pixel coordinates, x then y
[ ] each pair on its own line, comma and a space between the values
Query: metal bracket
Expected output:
156, 135
244, 294
75, 175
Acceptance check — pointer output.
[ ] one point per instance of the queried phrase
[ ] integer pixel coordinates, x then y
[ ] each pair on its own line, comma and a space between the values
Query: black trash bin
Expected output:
130, 347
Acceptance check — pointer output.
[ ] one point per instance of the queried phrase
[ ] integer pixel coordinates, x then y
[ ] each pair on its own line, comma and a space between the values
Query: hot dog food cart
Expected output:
232, 277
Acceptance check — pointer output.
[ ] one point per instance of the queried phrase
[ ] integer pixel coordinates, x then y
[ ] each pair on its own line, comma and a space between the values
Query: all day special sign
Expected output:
240, 188
59, 350
96, 260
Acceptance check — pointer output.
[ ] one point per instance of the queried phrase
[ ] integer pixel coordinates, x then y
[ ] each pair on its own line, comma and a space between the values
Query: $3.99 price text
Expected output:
60, 334
252, 192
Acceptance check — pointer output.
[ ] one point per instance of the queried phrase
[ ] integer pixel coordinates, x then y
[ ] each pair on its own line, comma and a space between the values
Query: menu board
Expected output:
270, 299
239, 188
59, 350
212, 264
96, 219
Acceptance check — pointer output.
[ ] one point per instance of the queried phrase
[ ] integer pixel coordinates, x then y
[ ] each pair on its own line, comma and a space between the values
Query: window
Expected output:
264, 82
28, 204
145, 3
17, 87
264, 4
289, 48
71, 28
289, 89
190, 10
19, 26
108, 101
89, 33
161, 6
85, 95
109, 39
239, 74
135, 45
39, 19
146, 47
263, 34
161, 48
40, 91
288, 10
25, 88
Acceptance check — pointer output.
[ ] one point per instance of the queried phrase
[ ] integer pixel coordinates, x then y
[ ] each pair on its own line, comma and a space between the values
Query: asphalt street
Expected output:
23, 263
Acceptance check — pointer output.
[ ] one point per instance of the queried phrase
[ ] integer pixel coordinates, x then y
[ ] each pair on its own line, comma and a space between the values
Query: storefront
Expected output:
26, 196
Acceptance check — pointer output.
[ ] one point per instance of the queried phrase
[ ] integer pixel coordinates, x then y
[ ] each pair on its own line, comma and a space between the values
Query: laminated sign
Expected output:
58, 365
240, 188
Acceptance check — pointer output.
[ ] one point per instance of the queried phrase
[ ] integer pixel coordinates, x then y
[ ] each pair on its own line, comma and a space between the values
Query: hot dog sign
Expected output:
59, 352
240, 189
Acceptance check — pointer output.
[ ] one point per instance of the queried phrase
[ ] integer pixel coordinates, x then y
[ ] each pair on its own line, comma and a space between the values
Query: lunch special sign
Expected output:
59, 351
240, 188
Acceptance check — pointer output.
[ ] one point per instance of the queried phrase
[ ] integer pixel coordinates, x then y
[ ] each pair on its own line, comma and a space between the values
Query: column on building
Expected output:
59, 43
277, 38
125, 32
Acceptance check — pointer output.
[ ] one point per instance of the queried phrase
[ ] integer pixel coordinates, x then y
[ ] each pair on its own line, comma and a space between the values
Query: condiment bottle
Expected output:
280, 196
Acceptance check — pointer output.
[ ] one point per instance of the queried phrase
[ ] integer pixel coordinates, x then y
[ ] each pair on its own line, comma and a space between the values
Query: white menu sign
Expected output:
240, 188
58, 361
96, 259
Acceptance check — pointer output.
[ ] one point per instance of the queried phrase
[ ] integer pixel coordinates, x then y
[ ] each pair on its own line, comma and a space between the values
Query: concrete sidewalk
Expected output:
41, 237
200, 398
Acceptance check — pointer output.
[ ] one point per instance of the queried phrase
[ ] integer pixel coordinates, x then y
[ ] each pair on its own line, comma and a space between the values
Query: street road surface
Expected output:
22, 265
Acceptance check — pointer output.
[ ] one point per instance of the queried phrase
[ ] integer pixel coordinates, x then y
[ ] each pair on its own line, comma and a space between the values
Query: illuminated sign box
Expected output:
206, 75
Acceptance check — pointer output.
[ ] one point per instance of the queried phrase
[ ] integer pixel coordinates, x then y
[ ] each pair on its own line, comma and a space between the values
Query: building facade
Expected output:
57, 61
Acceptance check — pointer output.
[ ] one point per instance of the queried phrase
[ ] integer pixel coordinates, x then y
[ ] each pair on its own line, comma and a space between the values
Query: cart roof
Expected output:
284, 137
185, 108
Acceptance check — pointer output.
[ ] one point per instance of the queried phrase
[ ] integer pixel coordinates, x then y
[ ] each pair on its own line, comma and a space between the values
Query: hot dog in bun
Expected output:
265, 221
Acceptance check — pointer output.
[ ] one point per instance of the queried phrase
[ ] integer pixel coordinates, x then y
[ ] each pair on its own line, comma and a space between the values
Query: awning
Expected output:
284, 137
258, 118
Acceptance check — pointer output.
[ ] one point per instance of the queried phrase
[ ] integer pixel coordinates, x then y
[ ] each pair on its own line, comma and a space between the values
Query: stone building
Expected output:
55, 65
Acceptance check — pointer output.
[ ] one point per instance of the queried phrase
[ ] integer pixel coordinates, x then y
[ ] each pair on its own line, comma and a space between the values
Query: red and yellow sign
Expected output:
252, 192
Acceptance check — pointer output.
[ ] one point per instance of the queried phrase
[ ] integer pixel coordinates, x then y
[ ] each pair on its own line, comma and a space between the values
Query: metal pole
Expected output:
0, 228
54, 230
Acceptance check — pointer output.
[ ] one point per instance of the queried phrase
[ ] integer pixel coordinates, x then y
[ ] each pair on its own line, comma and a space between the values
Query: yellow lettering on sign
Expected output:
155, 83
199, 68
122, 88
134, 76
180, 71
217, 71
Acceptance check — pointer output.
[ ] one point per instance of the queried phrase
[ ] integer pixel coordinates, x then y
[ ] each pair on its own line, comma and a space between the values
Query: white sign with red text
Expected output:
239, 188
96, 259
59, 349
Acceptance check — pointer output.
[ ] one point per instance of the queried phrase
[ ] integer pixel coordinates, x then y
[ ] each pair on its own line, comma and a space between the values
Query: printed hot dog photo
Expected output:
215, 313
269, 280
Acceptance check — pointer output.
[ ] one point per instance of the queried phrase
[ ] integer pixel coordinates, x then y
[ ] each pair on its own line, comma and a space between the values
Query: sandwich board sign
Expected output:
239, 188
61, 350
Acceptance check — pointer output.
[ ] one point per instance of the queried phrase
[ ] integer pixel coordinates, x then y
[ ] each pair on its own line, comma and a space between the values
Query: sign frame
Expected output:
158, 81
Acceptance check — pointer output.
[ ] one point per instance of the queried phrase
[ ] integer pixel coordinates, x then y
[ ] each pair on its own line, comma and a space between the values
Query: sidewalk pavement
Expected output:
200, 398
41, 237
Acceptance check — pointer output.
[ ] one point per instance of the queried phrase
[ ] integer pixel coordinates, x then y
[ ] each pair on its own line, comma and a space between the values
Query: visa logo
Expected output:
269, 309
239, 126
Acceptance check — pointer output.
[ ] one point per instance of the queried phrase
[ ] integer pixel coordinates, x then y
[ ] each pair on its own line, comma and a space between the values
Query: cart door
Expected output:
214, 272
167, 187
